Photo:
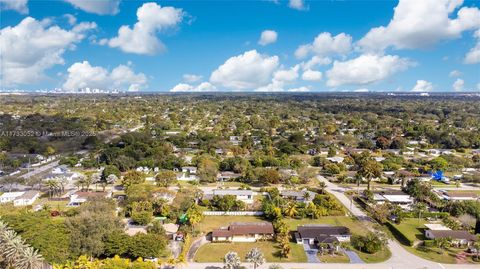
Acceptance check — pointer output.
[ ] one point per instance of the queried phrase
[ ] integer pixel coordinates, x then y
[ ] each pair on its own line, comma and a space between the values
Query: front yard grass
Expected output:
412, 228
335, 258
380, 256
435, 254
215, 252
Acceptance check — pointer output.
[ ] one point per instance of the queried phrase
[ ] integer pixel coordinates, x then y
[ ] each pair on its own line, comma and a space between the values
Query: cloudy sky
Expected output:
407, 45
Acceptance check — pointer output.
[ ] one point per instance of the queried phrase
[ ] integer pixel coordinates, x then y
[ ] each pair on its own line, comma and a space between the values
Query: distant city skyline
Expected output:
264, 46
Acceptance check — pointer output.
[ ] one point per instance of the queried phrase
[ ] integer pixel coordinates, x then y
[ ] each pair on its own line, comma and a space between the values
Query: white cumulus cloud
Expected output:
280, 79
249, 70
202, 87
299, 89
142, 38
325, 45
422, 86
268, 37
18, 5
190, 78
365, 69
100, 7
458, 85
312, 75
315, 61
473, 55
455, 73
419, 24
82, 75
297, 4
31, 47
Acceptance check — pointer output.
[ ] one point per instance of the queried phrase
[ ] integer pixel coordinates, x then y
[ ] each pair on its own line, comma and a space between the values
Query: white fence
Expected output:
233, 213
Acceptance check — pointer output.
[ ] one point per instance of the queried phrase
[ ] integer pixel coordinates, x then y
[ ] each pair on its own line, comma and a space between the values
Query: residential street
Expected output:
39, 170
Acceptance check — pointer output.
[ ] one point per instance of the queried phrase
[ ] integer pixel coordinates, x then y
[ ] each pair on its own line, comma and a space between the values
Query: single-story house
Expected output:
227, 176
20, 198
81, 197
188, 173
192, 170
299, 196
27, 198
336, 159
460, 237
436, 227
397, 197
235, 140
10, 196
319, 234
60, 169
243, 232
245, 196
457, 195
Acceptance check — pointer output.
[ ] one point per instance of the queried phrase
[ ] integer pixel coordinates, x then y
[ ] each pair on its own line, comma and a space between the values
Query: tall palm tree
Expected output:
52, 186
291, 209
370, 169
322, 186
307, 196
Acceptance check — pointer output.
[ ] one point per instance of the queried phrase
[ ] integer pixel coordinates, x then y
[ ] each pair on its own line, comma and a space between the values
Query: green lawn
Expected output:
336, 258
435, 254
210, 223
354, 225
215, 252
412, 228
53, 205
380, 256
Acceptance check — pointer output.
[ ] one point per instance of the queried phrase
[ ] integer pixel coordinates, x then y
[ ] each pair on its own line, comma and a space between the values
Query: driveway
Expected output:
353, 256
175, 247
195, 246
311, 254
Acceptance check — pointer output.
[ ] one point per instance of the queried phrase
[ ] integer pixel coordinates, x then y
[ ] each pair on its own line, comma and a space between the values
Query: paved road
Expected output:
384, 265
39, 170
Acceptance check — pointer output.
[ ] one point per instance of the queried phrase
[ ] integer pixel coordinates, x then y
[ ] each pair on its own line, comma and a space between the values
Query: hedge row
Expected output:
398, 234
426, 215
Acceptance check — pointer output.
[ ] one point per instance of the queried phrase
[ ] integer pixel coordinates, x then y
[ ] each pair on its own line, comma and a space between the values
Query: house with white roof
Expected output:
27, 198
20, 198
395, 197
245, 196
10, 196
336, 159
188, 173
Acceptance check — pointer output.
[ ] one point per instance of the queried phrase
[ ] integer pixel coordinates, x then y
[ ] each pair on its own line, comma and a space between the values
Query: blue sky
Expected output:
428, 45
